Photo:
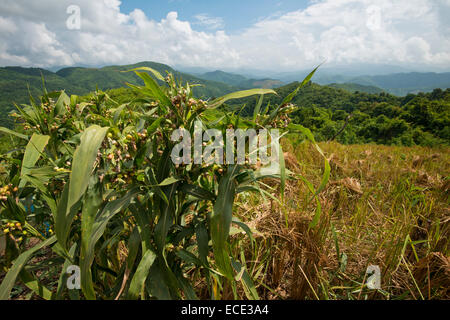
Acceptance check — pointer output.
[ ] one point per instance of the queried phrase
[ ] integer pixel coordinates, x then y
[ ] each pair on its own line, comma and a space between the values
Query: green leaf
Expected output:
258, 107
244, 227
17, 134
197, 192
154, 126
63, 101
250, 289
189, 257
93, 228
19, 263
133, 247
32, 283
304, 82
166, 218
63, 219
326, 173
137, 283
167, 182
63, 275
92, 203
33, 152
83, 162
156, 286
202, 242
238, 95
153, 71
155, 91
220, 222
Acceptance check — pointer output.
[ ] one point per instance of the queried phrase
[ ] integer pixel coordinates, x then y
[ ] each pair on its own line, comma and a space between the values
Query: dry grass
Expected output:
389, 207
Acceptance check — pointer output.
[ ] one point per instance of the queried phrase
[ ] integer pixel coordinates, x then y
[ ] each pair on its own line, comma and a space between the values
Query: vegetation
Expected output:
353, 87
88, 181
358, 118
93, 183
384, 206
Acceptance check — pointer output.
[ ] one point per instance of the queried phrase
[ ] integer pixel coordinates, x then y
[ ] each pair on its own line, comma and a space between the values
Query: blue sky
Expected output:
236, 14
280, 35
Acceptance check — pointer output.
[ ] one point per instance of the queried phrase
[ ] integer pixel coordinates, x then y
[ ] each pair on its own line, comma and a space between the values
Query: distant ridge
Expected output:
354, 87
240, 81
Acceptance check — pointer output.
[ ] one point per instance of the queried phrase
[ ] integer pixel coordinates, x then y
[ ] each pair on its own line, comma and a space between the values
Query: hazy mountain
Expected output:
399, 84
395, 82
240, 80
403, 83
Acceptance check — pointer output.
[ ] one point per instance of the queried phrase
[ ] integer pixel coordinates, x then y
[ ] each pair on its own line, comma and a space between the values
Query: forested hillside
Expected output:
354, 87
422, 119
15, 81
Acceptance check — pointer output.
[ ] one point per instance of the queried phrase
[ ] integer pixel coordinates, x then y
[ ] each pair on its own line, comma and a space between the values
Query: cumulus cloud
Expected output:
403, 32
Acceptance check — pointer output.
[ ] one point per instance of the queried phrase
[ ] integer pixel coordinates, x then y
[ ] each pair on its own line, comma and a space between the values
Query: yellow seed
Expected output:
50, 230
6, 231
24, 232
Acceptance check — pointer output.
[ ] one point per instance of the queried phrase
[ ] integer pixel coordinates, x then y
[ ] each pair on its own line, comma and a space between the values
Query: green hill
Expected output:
15, 81
225, 77
417, 119
354, 87
114, 77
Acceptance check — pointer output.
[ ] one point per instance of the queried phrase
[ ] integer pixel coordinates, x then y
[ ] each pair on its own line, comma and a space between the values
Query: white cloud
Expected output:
209, 22
403, 32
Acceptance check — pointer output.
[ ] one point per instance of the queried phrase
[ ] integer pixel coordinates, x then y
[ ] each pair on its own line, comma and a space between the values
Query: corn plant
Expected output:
94, 183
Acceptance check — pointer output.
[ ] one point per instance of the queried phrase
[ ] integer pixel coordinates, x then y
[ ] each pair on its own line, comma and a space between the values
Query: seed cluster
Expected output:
7, 191
15, 229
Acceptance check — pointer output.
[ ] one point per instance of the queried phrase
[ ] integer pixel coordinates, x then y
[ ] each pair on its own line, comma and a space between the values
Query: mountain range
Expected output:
16, 83
398, 83
240, 80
